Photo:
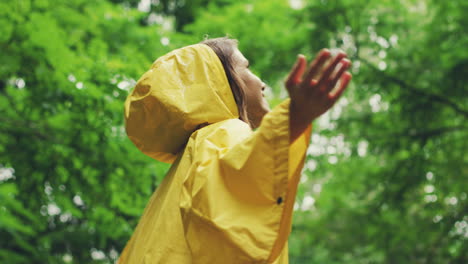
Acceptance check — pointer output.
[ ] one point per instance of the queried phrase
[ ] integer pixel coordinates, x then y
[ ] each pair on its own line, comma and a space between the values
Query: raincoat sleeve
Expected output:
238, 200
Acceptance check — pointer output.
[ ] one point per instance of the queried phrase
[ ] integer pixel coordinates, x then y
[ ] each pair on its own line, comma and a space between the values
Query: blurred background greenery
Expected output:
386, 177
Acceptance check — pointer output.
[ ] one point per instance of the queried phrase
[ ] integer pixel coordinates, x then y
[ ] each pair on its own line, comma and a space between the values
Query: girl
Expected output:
229, 195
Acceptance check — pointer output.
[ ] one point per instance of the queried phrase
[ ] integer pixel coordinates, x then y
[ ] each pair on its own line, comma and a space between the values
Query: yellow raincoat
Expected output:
228, 197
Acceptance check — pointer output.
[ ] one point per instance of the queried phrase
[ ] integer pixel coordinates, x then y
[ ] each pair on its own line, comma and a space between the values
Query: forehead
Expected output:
239, 58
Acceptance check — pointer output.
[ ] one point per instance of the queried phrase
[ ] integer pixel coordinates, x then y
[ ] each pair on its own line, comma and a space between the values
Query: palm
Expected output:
311, 93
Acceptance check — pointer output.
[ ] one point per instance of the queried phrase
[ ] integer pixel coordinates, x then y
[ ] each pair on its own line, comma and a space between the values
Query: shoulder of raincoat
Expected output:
229, 195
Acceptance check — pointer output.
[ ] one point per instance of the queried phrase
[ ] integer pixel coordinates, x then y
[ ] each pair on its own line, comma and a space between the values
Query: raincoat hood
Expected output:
183, 90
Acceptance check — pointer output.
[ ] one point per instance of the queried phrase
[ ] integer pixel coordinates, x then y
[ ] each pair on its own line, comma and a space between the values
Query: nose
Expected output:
264, 86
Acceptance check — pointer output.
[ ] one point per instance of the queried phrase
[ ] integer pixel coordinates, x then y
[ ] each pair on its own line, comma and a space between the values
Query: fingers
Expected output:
296, 72
344, 66
316, 65
337, 67
346, 77
325, 78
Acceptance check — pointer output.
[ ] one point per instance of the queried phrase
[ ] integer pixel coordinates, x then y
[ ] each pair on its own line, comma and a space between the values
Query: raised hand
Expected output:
314, 92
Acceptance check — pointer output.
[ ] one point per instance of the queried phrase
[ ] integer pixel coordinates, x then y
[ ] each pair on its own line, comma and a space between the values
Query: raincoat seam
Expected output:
281, 167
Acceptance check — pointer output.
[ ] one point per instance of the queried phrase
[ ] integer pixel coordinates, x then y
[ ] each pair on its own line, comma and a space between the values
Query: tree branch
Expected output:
413, 89
425, 134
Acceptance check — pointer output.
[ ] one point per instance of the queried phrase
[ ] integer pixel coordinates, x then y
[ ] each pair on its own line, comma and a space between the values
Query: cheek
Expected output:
253, 83
254, 90
255, 100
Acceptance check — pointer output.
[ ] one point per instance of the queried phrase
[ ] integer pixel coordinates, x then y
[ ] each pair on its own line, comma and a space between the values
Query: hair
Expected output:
224, 48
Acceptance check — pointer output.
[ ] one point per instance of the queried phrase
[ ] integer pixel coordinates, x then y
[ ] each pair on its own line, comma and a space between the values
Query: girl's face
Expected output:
257, 105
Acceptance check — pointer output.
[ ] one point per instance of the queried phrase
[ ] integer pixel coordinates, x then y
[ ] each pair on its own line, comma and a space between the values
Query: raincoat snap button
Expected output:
279, 200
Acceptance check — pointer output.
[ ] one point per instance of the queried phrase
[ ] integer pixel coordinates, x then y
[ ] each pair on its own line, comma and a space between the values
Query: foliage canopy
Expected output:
386, 175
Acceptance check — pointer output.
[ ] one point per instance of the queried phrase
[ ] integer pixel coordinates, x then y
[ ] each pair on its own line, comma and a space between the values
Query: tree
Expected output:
67, 67
385, 179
